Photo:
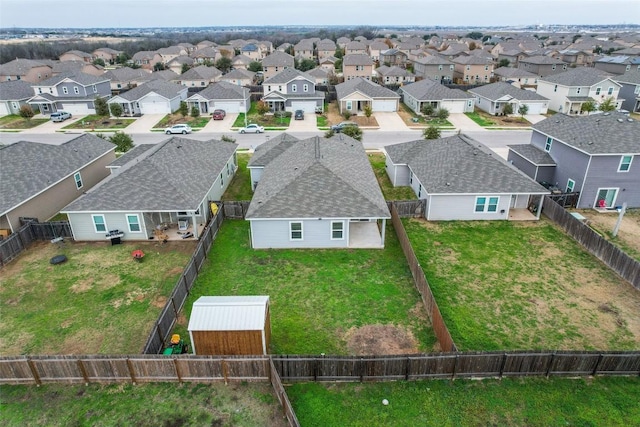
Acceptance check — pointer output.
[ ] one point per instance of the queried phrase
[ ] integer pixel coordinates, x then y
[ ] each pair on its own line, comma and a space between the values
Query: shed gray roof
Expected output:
167, 89
494, 91
201, 72
365, 87
535, 155
459, 164
286, 75
14, 90
608, 133
173, 176
31, 167
430, 90
357, 59
319, 178
279, 59
223, 90
271, 149
583, 76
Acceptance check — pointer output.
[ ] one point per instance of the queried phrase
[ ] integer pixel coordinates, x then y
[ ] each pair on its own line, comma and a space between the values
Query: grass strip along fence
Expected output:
32, 231
615, 258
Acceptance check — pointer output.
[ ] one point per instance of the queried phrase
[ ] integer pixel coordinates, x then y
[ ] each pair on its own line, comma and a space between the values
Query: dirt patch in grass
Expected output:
334, 117
628, 238
380, 339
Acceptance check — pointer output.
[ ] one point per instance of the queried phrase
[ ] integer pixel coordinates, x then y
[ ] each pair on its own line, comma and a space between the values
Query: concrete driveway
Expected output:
390, 121
309, 124
144, 123
534, 118
223, 125
464, 123
52, 127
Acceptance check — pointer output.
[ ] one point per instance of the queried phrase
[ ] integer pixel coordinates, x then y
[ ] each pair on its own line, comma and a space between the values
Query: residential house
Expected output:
241, 62
357, 65
108, 55
13, 95
353, 95
285, 47
512, 55
200, 76
165, 190
429, 92
176, 64
170, 53
40, 179
205, 44
542, 66
187, 46
265, 153
320, 75
433, 67
316, 193
568, 91
125, 78
328, 63
73, 93
374, 48
76, 55
221, 95
206, 54
239, 77
166, 75
355, 47
304, 49
461, 179
516, 77
393, 57
493, 97
147, 59
629, 90
153, 97
25, 69
618, 64
593, 155
472, 69
325, 48
276, 62
454, 51
576, 57
292, 90
252, 51
342, 42
62, 67
394, 75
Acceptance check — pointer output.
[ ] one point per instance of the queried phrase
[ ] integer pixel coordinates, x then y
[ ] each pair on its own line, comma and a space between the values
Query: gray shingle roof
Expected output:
174, 175
319, 178
509, 72
429, 90
271, 149
583, 76
286, 75
357, 59
608, 133
542, 60
167, 89
125, 74
132, 154
472, 60
459, 164
19, 67
632, 77
201, 72
279, 59
30, 167
393, 71
223, 90
15, 90
365, 87
83, 79
535, 155
433, 60
239, 73
494, 91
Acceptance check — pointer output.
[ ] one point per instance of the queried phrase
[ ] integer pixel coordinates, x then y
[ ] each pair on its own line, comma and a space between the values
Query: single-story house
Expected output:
222, 95
37, 180
240, 77
265, 153
200, 76
13, 95
153, 97
394, 75
461, 179
353, 95
317, 193
493, 97
430, 92
165, 193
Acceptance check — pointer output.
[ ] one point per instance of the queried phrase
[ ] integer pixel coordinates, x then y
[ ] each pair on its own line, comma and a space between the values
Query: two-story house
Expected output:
542, 66
200, 76
25, 69
516, 77
355, 47
617, 64
357, 65
593, 155
472, 69
73, 93
576, 57
433, 67
292, 90
304, 49
568, 91
207, 54
630, 90
374, 48
252, 51
76, 55
276, 62
125, 78
325, 48
108, 55
170, 53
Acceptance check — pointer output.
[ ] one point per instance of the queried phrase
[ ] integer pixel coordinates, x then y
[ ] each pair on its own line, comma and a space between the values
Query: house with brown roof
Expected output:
76, 55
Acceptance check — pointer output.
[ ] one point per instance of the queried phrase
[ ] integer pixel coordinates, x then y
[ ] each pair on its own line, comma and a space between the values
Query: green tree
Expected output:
159, 66
504, 62
99, 61
338, 65
122, 58
576, 37
368, 111
523, 110
223, 64
353, 131
431, 132
442, 113
507, 109
185, 67
254, 66
339, 53
195, 112
306, 64
183, 109
26, 112
588, 107
427, 109
122, 141
476, 35
262, 108
226, 138
607, 105
102, 108
116, 110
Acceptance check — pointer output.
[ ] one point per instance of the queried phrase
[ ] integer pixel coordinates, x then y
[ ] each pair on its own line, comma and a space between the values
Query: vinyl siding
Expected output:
447, 208
398, 174
256, 174
83, 229
521, 163
316, 234
603, 173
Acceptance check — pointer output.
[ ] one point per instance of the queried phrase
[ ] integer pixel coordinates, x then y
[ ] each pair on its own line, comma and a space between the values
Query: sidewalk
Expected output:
464, 124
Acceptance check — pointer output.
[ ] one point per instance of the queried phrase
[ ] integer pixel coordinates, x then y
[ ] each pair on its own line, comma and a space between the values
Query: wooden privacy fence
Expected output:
439, 327
409, 208
287, 408
169, 314
235, 209
614, 257
32, 231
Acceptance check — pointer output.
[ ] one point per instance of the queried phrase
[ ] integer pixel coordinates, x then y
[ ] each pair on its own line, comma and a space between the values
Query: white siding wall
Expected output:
398, 174
446, 208
316, 234
256, 174
83, 229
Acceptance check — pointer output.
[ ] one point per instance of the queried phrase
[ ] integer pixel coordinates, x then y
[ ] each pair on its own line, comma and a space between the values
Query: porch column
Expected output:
540, 207
195, 226
384, 226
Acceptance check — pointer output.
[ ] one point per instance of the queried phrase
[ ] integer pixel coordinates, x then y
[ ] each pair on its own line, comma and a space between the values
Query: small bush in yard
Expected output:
431, 132
195, 112
26, 112
116, 110
122, 141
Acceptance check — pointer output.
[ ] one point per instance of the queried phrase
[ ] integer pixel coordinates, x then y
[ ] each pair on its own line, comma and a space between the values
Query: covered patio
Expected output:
366, 235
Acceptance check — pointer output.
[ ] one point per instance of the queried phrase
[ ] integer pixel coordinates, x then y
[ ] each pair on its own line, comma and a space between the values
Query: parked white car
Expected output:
252, 128
182, 128
60, 116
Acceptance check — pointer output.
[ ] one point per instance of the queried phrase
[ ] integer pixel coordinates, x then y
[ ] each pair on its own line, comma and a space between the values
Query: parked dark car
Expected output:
218, 114
340, 126
299, 115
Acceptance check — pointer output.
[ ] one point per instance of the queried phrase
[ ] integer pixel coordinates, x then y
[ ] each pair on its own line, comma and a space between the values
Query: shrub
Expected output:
442, 113
122, 141
523, 110
262, 108
116, 110
368, 111
507, 109
346, 114
353, 131
431, 132
26, 112
226, 138
102, 108
184, 109
195, 112
427, 109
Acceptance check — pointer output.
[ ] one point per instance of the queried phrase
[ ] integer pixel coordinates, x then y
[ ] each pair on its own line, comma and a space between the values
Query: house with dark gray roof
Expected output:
433, 67
125, 78
394, 75
516, 77
74, 93
154, 97
265, 153
276, 62
316, 193
13, 95
493, 98
40, 179
239, 76
429, 92
461, 179
163, 192
353, 95
542, 65
619, 64
630, 90
223, 96
593, 155
200, 76
292, 90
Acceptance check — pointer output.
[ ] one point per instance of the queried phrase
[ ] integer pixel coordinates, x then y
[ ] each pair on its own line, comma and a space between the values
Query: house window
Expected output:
410, 177
295, 231
39, 90
598, 90
610, 91
571, 184
269, 88
349, 105
486, 68
14, 105
95, 89
305, 88
487, 204
468, 67
65, 90
337, 230
294, 88
547, 145
76, 90
564, 67
439, 67
606, 197
419, 190
625, 163
628, 68
78, 179
134, 223
451, 67
99, 224
279, 88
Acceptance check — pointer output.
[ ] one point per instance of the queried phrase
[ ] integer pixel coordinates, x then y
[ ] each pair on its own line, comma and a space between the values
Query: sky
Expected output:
377, 13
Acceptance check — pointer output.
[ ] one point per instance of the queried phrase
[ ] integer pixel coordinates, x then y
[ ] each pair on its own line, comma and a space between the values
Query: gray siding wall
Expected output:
315, 234
398, 174
603, 173
299, 84
521, 163
571, 164
447, 208
545, 173
626, 93
83, 229
485, 104
410, 102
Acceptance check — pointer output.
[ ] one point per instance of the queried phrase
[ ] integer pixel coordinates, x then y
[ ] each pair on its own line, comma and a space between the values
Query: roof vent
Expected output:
630, 120
606, 114
620, 120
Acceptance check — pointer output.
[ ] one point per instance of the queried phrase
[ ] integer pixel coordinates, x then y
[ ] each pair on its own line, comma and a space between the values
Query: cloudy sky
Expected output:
192, 13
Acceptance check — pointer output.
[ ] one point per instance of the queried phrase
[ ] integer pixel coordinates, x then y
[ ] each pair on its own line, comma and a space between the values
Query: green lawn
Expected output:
240, 187
269, 121
99, 301
322, 121
527, 402
100, 122
156, 404
16, 122
504, 285
177, 118
389, 191
317, 296
479, 119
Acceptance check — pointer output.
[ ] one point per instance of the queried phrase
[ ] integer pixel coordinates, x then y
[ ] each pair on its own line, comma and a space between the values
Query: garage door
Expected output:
228, 107
306, 106
76, 109
4, 111
385, 105
534, 108
454, 107
154, 108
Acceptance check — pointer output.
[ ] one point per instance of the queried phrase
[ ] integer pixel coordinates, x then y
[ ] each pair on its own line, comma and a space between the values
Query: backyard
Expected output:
159, 404
322, 301
506, 402
99, 301
390, 192
505, 285
628, 238
17, 122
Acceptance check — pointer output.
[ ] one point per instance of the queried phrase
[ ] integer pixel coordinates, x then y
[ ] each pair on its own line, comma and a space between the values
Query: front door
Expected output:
606, 197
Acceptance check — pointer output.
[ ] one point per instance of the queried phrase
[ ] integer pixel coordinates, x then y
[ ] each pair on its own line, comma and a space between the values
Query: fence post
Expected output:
504, 362
131, 371
34, 372
455, 365
595, 369
84, 372
225, 371
553, 355
184, 280
175, 364
407, 369
173, 304
159, 334
361, 369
